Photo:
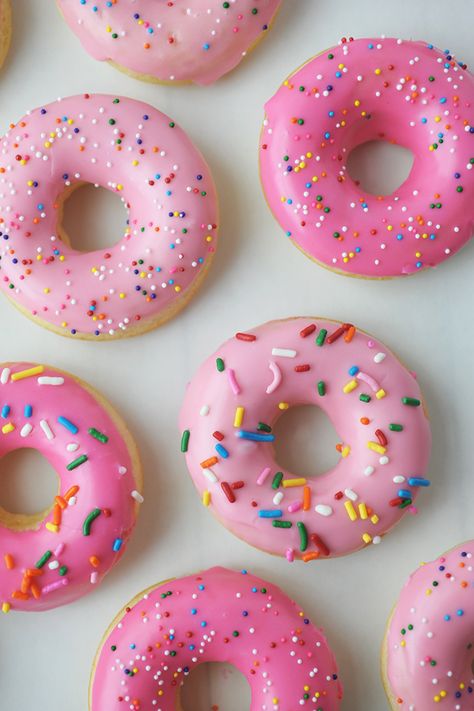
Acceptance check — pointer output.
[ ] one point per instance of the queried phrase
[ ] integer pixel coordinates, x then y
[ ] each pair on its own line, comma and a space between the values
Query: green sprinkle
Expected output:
321, 337
406, 503
263, 427
112, 122
235, 633
185, 440
303, 536
281, 524
76, 462
86, 526
322, 388
277, 480
171, 124
220, 365
411, 401
44, 559
395, 428
98, 435
62, 570
363, 397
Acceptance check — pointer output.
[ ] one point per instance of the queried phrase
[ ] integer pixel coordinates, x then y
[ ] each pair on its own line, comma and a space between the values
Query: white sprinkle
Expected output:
47, 380
204, 410
72, 501
323, 510
384, 460
376, 540
284, 352
278, 498
53, 565
379, 357
5, 376
351, 494
122, 470
398, 479
137, 496
209, 474
72, 446
26, 429
94, 577
47, 429
368, 471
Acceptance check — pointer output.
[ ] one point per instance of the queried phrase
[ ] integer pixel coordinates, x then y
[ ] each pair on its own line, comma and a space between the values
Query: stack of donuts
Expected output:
379, 88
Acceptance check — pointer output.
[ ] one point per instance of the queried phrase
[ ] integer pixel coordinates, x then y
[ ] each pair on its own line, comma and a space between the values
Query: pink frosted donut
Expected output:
428, 650
374, 403
135, 151
216, 616
198, 42
55, 557
401, 92
5, 28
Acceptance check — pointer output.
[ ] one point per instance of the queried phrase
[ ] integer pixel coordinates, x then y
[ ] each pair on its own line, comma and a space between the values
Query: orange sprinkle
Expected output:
364, 421
57, 514
349, 335
209, 462
18, 595
71, 492
310, 556
61, 501
94, 561
306, 498
35, 590
9, 561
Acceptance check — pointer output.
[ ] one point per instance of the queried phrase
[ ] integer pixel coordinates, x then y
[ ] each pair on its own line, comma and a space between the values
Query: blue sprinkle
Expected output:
5, 411
418, 481
117, 544
28, 411
222, 451
255, 436
270, 513
68, 424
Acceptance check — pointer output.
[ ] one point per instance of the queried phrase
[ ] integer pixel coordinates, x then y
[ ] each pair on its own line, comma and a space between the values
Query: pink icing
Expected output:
196, 40
372, 89
216, 616
284, 366
101, 471
135, 151
431, 636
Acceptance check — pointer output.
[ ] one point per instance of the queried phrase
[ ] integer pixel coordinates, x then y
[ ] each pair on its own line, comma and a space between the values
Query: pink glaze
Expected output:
215, 616
282, 368
104, 481
431, 634
197, 40
372, 89
135, 151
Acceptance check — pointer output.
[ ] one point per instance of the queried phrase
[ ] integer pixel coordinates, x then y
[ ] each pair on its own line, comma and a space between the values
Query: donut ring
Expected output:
5, 28
374, 403
137, 152
401, 92
427, 653
52, 558
162, 42
215, 616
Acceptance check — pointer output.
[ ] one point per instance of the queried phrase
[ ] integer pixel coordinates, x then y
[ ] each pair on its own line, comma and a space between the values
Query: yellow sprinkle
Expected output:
363, 511
350, 386
345, 451
283, 405
351, 512
374, 519
403, 643
46, 290
293, 482
122, 295
6, 607
28, 373
52, 527
380, 394
367, 538
9, 427
206, 497
119, 186
239, 416
177, 288
375, 447
378, 72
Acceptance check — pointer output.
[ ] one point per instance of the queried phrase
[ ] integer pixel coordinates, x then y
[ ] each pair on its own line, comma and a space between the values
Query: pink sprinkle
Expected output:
369, 380
295, 506
233, 381
413, 510
54, 586
94, 577
263, 475
290, 555
59, 550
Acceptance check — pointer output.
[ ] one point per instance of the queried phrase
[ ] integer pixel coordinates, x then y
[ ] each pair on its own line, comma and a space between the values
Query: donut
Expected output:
139, 154
427, 660
215, 616
166, 41
5, 28
54, 557
402, 92
229, 413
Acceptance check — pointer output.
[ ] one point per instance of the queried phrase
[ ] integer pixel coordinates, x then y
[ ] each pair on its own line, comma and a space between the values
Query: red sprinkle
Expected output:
320, 545
302, 368
237, 485
338, 495
218, 435
228, 491
337, 333
381, 437
397, 501
246, 337
308, 330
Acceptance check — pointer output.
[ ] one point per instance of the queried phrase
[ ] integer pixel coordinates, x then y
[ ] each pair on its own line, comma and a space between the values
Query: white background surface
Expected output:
45, 658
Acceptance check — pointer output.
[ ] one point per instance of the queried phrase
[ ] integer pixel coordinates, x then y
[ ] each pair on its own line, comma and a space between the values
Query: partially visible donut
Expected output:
55, 557
5, 28
198, 41
428, 652
218, 615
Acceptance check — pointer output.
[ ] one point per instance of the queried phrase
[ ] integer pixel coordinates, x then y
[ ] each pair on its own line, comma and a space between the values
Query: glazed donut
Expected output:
5, 28
374, 403
52, 558
136, 152
167, 42
216, 616
408, 93
428, 649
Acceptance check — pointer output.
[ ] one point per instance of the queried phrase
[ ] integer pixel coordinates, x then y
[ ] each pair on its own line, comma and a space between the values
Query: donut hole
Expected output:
305, 441
93, 218
28, 485
379, 167
215, 685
